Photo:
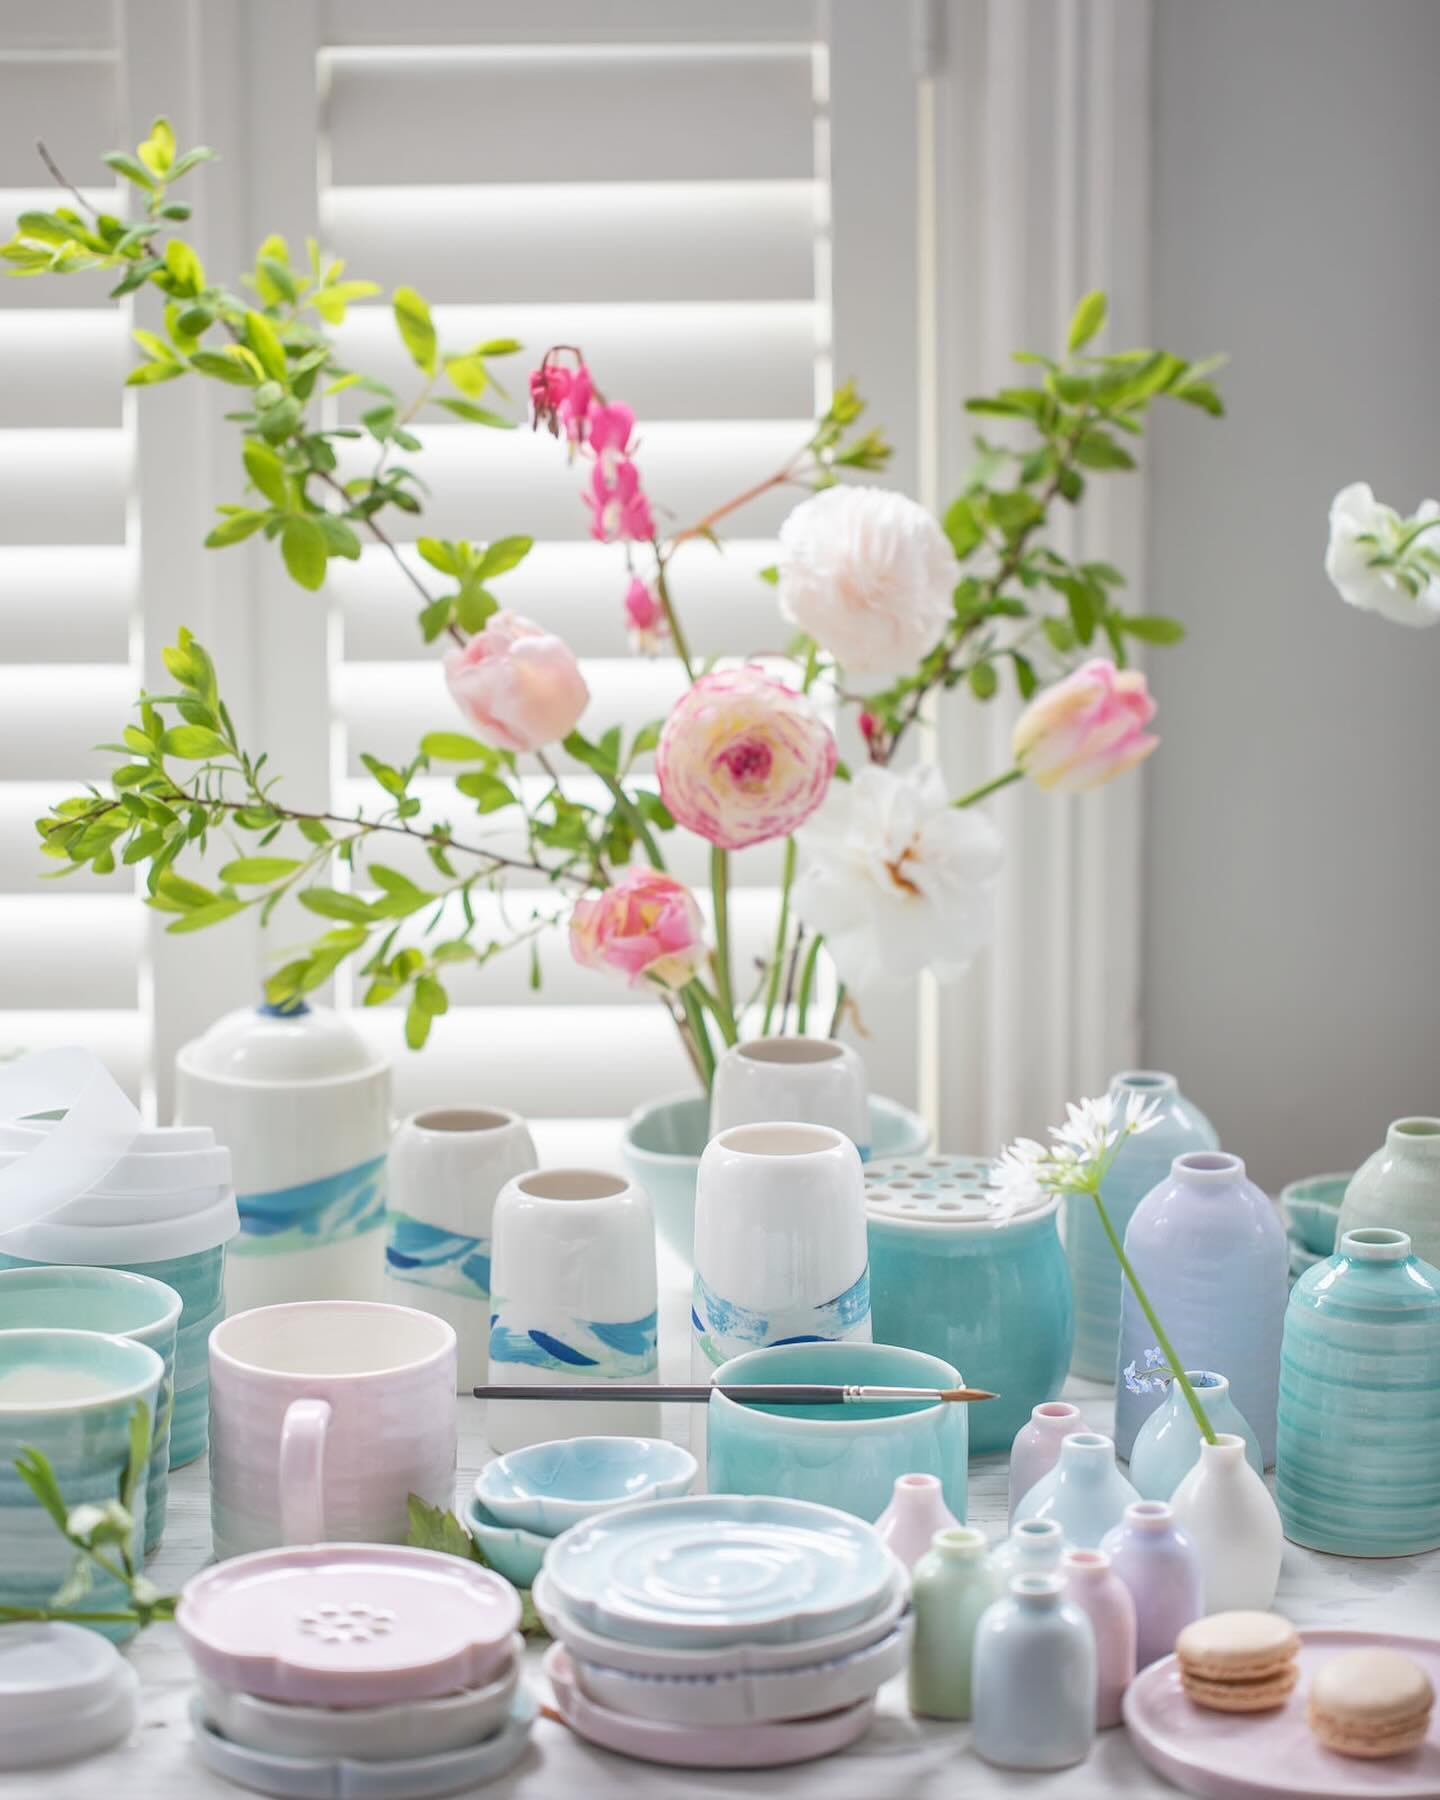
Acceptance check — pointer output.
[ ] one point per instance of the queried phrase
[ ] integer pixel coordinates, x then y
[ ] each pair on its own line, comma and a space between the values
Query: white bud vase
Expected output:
1226, 1510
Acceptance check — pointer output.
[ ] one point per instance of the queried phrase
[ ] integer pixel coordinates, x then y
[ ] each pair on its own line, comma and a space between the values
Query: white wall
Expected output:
1292, 853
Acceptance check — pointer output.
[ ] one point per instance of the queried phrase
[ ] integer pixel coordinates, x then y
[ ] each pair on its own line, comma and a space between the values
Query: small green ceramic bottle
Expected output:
950, 1587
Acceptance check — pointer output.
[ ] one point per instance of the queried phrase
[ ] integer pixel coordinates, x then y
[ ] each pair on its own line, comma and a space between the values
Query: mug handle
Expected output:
302, 1469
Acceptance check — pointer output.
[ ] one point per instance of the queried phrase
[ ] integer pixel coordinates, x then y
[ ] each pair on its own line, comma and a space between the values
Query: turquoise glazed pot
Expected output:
838, 1456
1140, 1163
953, 1274
1358, 1470
70, 1297
1167, 1445
70, 1395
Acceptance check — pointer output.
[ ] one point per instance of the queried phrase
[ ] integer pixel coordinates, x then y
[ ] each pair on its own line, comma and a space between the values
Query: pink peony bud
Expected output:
520, 687
1086, 729
646, 928
742, 758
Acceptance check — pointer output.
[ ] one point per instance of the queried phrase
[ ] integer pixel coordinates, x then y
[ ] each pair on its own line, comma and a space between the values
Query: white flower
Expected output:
1083, 1145
896, 878
1406, 589
870, 575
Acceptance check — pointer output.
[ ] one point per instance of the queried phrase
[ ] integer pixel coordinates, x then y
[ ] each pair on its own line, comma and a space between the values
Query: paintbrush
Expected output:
788, 1394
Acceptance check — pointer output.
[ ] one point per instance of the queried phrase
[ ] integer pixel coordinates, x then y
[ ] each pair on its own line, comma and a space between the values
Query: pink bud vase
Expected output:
917, 1510
1093, 1586
1036, 1448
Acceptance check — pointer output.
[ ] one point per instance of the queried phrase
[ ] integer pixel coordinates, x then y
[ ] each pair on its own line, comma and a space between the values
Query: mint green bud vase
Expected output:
1398, 1188
951, 1587
1167, 1445
1358, 1454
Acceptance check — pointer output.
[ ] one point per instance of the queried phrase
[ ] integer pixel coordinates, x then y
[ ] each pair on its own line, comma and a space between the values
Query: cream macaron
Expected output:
1238, 1662
1370, 1703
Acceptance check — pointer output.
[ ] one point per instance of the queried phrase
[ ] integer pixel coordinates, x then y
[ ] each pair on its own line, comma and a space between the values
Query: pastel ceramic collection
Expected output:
445, 1171
1211, 1251
1033, 1547
1085, 1494
1036, 1448
549, 1487
574, 1300
1034, 1684
951, 1587
1398, 1188
1167, 1445
124, 1305
325, 1415
64, 1693
1160, 1565
848, 1457
1094, 1587
1358, 1472
71, 1396
1139, 1165
1224, 1507
514, 1551
952, 1267
304, 1105
917, 1510
810, 1081
780, 1249
664, 1139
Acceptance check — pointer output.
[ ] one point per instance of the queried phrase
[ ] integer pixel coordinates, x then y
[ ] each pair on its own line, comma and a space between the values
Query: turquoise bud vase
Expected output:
1167, 1445
1398, 1188
1084, 1494
951, 1587
1358, 1470
1139, 1163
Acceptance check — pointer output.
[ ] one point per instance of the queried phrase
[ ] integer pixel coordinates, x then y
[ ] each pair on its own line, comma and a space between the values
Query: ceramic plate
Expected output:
702, 1746
719, 1568
515, 1553
1273, 1755
549, 1487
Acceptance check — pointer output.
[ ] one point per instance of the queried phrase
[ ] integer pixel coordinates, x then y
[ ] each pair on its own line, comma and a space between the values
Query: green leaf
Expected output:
1151, 628
505, 553
434, 618
477, 415
454, 746
193, 743
184, 164
137, 1461
417, 1025
235, 528
983, 680
158, 151
147, 374
181, 895
439, 554
330, 903
413, 321
202, 916
234, 364
962, 528
1098, 450
266, 470
34, 1469
187, 272
130, 169
473, 606
436, 1528
340, 540
1087, 319
1203, 395
431, 995
264, 340
488, 791
302, 544
253, 871
468, 373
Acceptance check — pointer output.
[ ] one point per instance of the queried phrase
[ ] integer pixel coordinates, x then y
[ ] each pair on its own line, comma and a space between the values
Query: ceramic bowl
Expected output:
662, 1149
549, 1487
511, 1551
1311, 1208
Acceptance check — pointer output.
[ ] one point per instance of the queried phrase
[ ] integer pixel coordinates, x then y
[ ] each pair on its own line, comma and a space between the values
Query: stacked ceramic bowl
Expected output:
1311, 1209
724, 1631
353, 1669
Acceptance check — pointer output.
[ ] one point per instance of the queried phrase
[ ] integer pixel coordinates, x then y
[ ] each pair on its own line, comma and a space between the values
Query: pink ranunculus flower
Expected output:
519, 686
1086, 729
742, 758
646, 928
619, 508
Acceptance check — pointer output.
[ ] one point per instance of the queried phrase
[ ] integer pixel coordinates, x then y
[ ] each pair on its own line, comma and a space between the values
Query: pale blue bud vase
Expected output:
1139, 1163
1210, 1250
1084, 1494
1167, 1445
1358, 1472
1034, 1547
1033, 1686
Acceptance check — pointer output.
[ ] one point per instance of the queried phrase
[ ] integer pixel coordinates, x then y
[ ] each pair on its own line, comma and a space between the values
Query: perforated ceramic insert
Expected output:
938, 1190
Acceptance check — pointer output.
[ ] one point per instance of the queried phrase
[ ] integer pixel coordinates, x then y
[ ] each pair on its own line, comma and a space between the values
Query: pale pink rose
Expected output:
646, 928
519, 686
742, 758
1086, 729
618, 507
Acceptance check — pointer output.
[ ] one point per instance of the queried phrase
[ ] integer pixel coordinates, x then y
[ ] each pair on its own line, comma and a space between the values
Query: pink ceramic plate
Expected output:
702, 1746
1274, 1756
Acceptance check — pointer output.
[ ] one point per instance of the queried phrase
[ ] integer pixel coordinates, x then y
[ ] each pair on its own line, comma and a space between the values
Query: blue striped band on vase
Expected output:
724, 1329
431, 1257
313, 1213
586, 1349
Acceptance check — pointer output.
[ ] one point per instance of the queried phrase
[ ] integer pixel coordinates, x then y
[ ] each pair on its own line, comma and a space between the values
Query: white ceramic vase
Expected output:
810, 1081
780, 1242
1224, 1507
445, 1171
573, 1301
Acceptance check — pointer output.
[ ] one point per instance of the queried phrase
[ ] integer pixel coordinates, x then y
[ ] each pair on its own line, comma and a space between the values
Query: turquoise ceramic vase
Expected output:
951, 1273
1084, 1494
1167, 1445
1398, 1188
1140, 1163
1358, 1472
950, 1588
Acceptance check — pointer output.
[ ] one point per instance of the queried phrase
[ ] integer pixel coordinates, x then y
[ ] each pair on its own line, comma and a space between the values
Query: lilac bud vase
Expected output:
1160, 1565
1085, 1494
1093, 1586
1036, 1448
1212, 1254
917, 1510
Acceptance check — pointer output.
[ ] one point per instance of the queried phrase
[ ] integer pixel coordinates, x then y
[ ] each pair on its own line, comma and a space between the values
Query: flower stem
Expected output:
807, 982
720, 889
698, 1035
772, 992
987, 788
672, 618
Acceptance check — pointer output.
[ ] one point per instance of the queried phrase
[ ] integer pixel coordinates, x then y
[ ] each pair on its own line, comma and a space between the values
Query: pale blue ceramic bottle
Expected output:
1085, 1494
1167, 1446
1033, 1686
1139, 1164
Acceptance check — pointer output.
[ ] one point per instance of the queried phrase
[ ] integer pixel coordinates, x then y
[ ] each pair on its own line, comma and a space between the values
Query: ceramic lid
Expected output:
267, 1045
942, 1190
64, 1691
348, 1624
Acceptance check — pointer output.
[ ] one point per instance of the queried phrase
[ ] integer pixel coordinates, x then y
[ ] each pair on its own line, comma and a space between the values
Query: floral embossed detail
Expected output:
357, 1623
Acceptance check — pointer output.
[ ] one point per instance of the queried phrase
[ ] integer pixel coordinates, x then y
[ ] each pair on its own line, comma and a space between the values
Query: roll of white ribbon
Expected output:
99, 1126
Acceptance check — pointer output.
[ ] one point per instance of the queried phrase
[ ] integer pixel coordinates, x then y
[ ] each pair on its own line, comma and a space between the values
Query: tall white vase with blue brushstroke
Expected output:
781, 1252
573, 1301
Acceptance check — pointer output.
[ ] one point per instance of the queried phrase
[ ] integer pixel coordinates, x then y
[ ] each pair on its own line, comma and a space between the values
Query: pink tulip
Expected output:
646, 928
1086, 729
520, 687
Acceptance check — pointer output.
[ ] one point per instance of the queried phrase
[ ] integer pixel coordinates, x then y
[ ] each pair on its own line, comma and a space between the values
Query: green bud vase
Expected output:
1398, 1188
950, 1588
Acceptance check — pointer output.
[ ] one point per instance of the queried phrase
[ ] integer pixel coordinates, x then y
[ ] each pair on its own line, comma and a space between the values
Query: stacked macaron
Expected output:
1370, 1703
1238, 1662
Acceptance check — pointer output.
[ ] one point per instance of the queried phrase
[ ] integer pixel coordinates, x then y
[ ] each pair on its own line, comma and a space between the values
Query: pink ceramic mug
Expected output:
325, 1415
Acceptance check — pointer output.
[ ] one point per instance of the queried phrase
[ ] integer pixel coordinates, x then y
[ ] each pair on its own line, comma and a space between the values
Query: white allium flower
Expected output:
1082, 1148
896, 878
870, 575
1405, 591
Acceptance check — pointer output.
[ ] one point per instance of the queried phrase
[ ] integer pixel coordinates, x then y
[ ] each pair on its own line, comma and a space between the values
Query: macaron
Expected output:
1370, 1703
1238, 1662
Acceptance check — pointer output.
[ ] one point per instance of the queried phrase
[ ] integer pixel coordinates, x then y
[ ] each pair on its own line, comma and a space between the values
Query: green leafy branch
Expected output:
437, 1528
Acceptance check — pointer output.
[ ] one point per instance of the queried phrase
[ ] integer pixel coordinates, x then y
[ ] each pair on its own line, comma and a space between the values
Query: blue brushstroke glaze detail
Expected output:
611, 1351
562, 1352
725, 1329
314, 1212
431, 1257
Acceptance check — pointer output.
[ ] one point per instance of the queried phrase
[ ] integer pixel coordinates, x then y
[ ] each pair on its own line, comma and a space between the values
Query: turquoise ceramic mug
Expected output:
124, 1305
70, 1395
845, 1456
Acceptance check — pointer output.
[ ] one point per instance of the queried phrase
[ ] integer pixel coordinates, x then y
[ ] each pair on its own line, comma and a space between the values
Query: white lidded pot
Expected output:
303, 1103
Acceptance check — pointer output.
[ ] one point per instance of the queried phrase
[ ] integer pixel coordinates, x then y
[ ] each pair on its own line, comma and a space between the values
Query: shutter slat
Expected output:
62, 369
66, 605
120, 1039
64, 487
71, 102
71, 947
50, 719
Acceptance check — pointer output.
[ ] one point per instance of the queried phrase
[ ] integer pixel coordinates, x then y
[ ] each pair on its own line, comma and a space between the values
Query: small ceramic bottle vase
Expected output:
917, 1511
1093, 1586
1167, 1445
1140, 1163
951, 1588
1034, 1547
1033, 1690
1358, 1472
1160, 1565
1085, 1494
1036, 1448
1226, 1509
1213, 1257
1399, 1188
808, 1081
